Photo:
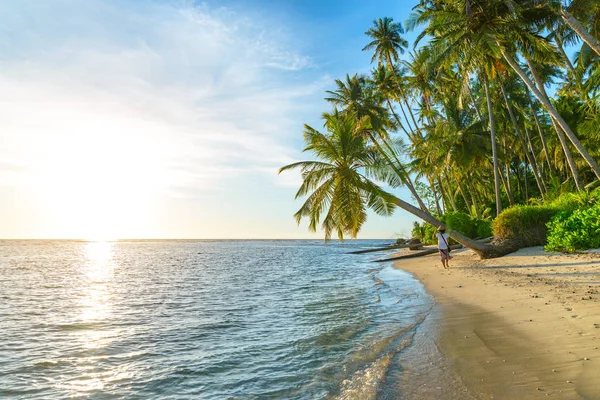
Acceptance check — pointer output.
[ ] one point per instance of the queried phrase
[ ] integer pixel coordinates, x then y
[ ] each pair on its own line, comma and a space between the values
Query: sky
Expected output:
170, 118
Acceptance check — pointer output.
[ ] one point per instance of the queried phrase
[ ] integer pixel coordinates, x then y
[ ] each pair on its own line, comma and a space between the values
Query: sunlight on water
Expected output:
201, 319
95, 306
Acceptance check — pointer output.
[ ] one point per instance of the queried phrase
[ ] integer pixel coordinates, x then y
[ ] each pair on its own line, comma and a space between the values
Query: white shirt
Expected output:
441, 244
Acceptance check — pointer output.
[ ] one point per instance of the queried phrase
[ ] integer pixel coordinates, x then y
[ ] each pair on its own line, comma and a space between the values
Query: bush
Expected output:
483, 228
525, 224
578, 230
570, 202
461, 223
424, 232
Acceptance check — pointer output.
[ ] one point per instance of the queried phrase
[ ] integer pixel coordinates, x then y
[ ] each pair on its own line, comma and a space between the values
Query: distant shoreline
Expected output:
526, 325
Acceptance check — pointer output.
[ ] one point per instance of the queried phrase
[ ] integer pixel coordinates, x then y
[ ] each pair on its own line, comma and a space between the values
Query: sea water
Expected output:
264, 319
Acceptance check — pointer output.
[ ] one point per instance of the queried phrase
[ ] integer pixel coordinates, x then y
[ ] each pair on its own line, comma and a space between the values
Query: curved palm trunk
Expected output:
494, 153
559, 132
580, 30
531, 158
403, 175
482, 249
553, 113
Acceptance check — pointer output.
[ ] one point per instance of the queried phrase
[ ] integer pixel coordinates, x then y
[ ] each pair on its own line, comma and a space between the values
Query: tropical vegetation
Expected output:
485, 112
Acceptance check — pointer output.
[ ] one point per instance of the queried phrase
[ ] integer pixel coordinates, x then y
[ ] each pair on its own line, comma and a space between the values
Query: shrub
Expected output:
483, 228
578, 230
424, 232
570, 202
525, 224
461, 223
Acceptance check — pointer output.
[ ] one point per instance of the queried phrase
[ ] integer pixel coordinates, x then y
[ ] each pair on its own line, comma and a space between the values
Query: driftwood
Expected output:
413, 244
419, 254
396, 246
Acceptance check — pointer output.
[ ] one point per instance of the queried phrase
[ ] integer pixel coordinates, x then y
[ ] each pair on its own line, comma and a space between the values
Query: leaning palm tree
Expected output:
341, 187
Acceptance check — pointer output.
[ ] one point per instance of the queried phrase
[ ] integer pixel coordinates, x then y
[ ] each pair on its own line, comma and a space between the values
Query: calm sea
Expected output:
203, 319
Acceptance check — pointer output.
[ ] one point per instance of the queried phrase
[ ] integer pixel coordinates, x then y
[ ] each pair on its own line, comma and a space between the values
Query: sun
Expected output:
101, 188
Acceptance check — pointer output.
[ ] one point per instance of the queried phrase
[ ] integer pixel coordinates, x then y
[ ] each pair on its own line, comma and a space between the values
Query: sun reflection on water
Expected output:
93, 334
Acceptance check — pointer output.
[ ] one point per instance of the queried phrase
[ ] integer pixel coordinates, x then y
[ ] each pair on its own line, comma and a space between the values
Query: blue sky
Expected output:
169, 118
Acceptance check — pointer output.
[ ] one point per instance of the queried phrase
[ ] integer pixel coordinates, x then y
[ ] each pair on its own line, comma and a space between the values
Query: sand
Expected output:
524, 326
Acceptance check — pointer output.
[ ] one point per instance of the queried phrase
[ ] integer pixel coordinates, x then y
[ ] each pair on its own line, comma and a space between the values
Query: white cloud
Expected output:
193, 95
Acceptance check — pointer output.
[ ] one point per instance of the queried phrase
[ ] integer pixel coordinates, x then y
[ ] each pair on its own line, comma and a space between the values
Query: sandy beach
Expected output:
524, 326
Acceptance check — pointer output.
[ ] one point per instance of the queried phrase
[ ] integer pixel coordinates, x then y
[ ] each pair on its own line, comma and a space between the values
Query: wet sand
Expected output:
524, 326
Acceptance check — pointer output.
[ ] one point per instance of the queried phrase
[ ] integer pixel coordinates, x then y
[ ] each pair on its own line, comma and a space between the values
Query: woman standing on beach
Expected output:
443, 238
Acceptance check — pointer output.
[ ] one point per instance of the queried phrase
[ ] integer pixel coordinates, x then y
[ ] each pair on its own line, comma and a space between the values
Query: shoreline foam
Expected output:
526, 325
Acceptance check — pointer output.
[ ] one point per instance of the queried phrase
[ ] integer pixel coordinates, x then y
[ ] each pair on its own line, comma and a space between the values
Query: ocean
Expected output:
222, 319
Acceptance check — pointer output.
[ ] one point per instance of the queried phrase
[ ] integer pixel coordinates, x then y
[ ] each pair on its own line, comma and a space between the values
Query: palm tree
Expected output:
340, 188
494, 30
355, 97
386, 45
588, 9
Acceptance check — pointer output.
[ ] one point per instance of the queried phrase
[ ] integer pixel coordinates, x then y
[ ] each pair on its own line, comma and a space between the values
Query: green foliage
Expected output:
526, 224
426, 194
424, 232
578, 230
483, 228
461, 222
570, 202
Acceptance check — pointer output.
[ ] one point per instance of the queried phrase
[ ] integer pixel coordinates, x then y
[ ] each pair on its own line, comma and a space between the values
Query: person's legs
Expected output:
444, 257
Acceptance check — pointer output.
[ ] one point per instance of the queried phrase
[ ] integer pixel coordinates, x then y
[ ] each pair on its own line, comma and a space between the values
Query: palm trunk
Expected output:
559, 133
568, 63
531, 159
412, 116
506, 188
474, 198
580, 30
437, 203
410, 128
389, 103
508, 182
403, 96
532, 151
525, 180
445, 199
403, 175
474, 103
483, 250
553, 113
450, 194
464, 196
543, 139
494, 153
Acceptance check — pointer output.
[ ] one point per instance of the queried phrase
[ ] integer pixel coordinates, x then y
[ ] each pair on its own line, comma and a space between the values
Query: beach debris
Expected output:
586, 359
554, 370
596, 325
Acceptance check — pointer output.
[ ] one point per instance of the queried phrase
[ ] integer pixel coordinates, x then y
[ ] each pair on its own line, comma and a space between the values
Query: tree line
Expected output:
465, 122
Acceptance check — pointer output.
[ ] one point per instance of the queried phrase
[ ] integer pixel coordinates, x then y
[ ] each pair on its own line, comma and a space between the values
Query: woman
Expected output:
443, 238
